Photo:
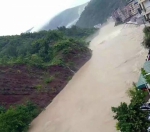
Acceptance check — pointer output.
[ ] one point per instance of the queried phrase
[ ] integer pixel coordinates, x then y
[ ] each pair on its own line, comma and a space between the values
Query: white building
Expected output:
145, 8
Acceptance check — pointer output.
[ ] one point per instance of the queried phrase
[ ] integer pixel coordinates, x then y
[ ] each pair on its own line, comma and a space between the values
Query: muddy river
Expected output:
84, 105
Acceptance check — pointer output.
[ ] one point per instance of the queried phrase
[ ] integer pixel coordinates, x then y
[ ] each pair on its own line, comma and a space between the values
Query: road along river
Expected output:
84, 105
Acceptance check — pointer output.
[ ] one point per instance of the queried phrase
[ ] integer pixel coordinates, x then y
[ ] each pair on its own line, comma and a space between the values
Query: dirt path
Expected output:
85, 103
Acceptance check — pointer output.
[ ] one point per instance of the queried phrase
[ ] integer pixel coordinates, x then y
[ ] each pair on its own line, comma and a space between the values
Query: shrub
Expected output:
49, 80
43, 48
146, 42
146, 30
39, 87
130, 117
2, 109
18, 119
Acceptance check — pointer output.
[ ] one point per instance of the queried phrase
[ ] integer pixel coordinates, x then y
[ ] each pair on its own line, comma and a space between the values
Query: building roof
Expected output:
141, 82
147, 66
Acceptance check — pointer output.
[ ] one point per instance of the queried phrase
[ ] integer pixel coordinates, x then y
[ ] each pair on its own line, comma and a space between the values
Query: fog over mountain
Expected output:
66, 18
19, 16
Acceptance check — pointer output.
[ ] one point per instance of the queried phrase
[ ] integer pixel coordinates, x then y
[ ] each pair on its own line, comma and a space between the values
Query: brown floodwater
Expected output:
84, 105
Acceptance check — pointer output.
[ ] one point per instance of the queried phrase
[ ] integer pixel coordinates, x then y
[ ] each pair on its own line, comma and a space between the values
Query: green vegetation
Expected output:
130, 117
76, 32
49, 80
44, 48
38, 87
17, 119
146, 42
98, 11
2, 109
42, 52
69, 78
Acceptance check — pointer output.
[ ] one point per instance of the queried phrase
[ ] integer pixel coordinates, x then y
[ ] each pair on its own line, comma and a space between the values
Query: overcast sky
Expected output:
17, 16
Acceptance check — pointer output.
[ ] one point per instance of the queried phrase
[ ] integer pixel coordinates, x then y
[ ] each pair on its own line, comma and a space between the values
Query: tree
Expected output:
146, 42
18, 119
40, 49
130, 117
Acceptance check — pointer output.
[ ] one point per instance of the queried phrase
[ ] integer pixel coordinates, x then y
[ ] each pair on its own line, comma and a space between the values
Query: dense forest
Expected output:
34, 68
98, 11
44, 47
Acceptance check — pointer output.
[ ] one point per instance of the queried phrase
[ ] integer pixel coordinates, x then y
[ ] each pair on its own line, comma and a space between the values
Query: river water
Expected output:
84, 105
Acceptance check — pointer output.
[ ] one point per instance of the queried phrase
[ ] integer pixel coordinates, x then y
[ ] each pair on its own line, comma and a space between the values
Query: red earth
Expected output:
21, 83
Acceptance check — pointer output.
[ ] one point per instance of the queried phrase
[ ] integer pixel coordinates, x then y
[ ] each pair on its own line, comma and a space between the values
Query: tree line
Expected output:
43, 48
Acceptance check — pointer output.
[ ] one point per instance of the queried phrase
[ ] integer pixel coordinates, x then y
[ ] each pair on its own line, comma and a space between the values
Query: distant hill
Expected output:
66, 18
86, 16
29, 30
97, 11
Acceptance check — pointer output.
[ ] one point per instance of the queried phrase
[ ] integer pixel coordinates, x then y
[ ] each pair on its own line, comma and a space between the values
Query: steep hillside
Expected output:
66, 18
36, 66
97, 11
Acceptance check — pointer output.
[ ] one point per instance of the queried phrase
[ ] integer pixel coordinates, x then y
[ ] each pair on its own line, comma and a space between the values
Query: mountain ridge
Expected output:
98, 11
66, 18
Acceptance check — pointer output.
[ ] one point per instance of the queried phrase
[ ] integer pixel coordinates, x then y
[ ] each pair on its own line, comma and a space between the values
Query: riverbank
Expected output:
85, 103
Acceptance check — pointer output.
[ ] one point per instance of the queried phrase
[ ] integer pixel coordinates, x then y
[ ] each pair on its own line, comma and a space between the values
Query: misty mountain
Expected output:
97, 11
66, 18
29, 30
